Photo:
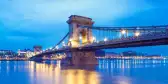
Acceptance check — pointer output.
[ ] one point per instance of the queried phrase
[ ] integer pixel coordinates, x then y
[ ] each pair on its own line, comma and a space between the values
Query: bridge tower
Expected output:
80, 34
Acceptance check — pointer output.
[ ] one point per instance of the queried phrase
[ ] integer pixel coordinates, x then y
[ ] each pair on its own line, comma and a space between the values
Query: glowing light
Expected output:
105, 39
70, 39
57, 47
137, 33
80, 37
123, 32
93, 38
63, 43
50, 48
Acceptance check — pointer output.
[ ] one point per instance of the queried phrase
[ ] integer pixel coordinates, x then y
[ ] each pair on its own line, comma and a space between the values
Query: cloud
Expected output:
34, 35
27, 13
18, 38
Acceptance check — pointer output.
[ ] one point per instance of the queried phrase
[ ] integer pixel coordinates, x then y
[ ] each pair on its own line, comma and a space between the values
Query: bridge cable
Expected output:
62, 39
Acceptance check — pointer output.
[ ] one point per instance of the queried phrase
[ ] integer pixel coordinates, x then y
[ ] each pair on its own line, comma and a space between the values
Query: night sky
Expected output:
24, 23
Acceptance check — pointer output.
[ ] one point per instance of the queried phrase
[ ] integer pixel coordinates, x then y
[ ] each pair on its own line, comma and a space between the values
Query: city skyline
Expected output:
23, 26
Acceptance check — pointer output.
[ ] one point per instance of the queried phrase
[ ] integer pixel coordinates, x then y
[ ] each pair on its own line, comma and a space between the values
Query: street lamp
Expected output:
94, 39
123, 31
57, 47
63, 42
70, 40
80, 37
137, 34
105, 39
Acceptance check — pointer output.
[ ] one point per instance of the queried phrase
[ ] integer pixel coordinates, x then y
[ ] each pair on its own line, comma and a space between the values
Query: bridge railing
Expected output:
152, 35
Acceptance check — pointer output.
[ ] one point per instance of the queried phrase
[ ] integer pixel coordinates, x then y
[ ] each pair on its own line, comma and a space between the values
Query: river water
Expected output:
106, 72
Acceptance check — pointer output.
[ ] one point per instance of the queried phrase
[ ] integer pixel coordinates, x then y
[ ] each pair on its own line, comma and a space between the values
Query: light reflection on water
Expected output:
107, 72
52, 74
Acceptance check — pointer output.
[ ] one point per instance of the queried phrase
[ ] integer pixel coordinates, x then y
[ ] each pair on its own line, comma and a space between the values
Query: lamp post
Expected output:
137, 34
80, 37
105, 39
123, 32
57, 47
94, 39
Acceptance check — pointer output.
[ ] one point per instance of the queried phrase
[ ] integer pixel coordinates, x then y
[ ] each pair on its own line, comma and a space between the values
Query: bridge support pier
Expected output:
82, 58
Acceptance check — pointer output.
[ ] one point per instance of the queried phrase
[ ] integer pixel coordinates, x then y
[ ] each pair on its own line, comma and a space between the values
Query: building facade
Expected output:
25, 53
7, 53
37, 49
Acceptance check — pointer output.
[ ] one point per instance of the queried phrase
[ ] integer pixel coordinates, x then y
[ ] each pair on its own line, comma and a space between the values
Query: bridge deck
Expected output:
151, 38
157, 38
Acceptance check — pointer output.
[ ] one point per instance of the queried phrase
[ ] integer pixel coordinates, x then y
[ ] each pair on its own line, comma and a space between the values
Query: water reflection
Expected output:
80, 77
130, 63
133, 71
42, 73
107, 72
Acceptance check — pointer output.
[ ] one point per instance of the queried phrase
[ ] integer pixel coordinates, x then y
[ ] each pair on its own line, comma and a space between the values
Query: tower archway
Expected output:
78, 26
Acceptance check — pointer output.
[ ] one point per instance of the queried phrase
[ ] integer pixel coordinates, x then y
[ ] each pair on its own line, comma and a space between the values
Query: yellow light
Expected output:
80, 37
123, 32
137, 33
70, 39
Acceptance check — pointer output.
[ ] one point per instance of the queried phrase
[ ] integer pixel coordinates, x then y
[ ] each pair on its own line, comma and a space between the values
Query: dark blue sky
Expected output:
24, 23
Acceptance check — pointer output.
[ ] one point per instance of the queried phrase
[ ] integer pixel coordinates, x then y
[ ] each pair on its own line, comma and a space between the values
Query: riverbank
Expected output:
25, 59
139, 58
13, 59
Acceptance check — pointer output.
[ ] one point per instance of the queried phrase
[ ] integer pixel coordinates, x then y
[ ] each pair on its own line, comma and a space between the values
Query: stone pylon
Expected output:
80, 34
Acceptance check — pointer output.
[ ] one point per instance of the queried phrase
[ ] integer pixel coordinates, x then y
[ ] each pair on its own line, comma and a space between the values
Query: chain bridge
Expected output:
83, 39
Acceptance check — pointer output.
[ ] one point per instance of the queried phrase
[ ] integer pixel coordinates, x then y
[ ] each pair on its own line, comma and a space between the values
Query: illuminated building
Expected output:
25, 53
7, 53
37, 49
